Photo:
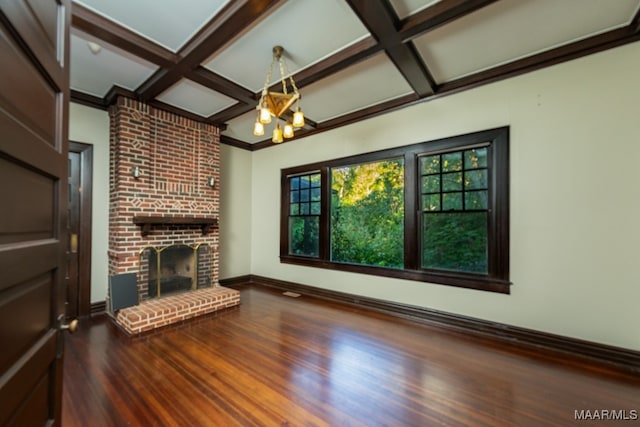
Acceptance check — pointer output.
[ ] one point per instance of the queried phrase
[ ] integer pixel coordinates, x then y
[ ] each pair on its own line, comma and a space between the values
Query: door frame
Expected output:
84, 239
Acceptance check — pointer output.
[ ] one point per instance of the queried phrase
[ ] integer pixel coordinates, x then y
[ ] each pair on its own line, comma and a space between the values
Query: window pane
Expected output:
475, 200
476, 179
304, 209
303, 235
304, 181
476, 158
295, 183
315, 194
431, 184
367, 214
452, 162
431, 202
315, 180
294, 209
455, 241
295, 197
430, 164
315, 208
452, 202
452, 181
304, 195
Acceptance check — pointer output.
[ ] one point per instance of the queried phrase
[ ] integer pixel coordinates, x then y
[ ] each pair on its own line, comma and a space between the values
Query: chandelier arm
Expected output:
282, 78
268, 79
293, 83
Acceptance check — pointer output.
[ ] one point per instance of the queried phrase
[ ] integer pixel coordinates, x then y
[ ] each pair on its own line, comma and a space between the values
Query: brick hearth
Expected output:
155, 313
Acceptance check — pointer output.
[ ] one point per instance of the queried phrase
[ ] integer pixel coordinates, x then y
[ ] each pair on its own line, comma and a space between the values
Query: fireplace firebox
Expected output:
174, 269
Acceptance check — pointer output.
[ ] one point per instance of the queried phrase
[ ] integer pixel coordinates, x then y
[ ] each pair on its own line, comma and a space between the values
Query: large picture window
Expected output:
367, 214
436, 212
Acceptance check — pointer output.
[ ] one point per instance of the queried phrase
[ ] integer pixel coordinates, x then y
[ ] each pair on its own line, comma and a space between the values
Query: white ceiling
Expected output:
318, 34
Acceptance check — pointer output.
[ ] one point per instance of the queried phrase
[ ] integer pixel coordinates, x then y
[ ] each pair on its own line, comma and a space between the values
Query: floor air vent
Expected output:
291, 294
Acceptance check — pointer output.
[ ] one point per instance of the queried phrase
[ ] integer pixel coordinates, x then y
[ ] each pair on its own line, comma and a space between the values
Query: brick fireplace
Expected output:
170, 202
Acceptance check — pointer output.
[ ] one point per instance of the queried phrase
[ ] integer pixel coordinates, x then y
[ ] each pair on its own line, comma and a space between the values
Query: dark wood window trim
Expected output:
497, 279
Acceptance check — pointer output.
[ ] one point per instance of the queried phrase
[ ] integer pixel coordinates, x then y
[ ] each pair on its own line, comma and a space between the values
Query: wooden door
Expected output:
78, 294
34, 99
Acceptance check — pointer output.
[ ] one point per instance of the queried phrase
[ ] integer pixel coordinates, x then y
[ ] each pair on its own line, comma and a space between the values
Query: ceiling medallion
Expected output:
279, 104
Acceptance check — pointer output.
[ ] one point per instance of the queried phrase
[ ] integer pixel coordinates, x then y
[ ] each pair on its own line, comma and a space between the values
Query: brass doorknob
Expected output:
71, 326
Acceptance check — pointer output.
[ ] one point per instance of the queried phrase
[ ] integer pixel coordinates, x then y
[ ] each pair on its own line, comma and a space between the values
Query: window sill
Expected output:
460, 280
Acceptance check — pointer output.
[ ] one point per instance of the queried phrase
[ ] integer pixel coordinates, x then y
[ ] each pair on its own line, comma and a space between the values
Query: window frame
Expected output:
497, 278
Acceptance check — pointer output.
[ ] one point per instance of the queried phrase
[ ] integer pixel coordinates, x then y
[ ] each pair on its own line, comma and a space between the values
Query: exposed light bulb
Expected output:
258, 128
298, 118
287, 132
265, 114
277, 134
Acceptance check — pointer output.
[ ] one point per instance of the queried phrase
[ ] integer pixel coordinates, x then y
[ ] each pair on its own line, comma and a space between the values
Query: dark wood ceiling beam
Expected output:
116, 35
634, 26
381, 23
112, 96
224, 139
208, 78
88, 100
222, 29
232, 112
437, 15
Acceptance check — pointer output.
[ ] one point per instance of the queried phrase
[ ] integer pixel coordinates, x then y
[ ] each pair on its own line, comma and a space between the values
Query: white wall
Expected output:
91, 126
235, 212
575, 198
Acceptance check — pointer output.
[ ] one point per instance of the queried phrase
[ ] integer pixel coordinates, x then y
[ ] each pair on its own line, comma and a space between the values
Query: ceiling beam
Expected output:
381, 22
437, 15
88, 100
634, 26
216, 82
120, 37
218, 32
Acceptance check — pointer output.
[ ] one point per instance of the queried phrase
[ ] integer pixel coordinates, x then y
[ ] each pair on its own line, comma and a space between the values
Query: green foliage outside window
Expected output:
367, 214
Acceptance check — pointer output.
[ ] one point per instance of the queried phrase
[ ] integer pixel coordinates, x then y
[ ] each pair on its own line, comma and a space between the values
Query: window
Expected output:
304, 214
435, 211
454, 190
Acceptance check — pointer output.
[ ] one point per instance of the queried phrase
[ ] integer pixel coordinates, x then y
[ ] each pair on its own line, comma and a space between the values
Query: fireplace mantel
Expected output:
145, 222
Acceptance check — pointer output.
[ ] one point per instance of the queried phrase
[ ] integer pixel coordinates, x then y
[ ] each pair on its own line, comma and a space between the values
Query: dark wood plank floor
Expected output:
277, 360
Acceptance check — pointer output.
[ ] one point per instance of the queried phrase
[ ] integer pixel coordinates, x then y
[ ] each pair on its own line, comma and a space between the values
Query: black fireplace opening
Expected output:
174, 269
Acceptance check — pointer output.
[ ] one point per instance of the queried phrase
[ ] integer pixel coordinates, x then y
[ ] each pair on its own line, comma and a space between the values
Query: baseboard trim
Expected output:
606, 356
234, 281
98, 307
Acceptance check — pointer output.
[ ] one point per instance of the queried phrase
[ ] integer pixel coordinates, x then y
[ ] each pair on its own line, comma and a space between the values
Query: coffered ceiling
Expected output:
351, 59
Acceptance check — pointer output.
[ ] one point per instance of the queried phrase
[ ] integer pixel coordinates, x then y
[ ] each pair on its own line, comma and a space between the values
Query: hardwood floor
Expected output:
282, 361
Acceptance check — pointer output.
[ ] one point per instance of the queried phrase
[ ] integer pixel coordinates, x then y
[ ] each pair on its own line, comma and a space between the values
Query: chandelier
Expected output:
278, 104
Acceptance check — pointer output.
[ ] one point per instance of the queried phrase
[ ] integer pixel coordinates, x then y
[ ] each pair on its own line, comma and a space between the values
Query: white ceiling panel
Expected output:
170, 23
309, 30
404, 8
191, 96
95, 74
511, 29
354, 88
